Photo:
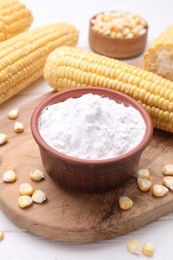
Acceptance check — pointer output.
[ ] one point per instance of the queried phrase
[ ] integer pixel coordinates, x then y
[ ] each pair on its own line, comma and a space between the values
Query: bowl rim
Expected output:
73, 160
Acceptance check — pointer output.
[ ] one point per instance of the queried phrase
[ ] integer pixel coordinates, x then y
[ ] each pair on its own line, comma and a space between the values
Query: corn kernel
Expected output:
148, 249
13, 114
168, 182
113, 34
26, 189
142, 173
24, 201
168, 169
119, 35
142, 31
39, 196
134, 247
125, 202
36, 175
1, 234
144, 184
18, 127
9, 176
129, 35
3, 138
159, 190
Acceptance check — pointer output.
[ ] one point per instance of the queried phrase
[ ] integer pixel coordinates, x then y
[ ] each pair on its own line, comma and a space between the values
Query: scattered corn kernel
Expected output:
9, 176
36, 175
159, 190
26, 189
3, 138
119, 24
142, 173
18, 127
24, 201
1, 234
168, 182
148, 249
39, 196
144, 184
13, 114
125, 202
134, 247
168, 169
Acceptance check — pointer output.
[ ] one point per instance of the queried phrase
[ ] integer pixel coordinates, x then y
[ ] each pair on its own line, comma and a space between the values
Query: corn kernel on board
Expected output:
72, 216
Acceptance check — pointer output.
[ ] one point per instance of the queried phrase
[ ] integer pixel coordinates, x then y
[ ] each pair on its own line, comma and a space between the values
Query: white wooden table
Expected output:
19, 244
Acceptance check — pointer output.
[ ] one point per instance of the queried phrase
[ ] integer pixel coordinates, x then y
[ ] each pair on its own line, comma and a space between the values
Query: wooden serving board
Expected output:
73, 216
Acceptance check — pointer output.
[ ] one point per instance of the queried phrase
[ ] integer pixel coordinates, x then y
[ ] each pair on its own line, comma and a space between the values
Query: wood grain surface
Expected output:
73, 216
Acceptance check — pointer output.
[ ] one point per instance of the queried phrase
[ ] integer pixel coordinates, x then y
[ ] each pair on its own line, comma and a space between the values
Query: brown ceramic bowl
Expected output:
116, 47
90, 175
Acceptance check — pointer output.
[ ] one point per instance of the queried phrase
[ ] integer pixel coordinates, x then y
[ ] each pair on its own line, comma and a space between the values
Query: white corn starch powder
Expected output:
91, 127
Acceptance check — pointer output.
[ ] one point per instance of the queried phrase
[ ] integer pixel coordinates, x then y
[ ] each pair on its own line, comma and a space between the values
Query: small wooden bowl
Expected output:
116, 47
90, 175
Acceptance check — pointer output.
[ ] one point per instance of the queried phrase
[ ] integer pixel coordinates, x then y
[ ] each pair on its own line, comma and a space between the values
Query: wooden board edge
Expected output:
83, 236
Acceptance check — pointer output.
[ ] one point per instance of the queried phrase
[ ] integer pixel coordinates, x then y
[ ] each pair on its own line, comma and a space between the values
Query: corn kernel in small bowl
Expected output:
118, 34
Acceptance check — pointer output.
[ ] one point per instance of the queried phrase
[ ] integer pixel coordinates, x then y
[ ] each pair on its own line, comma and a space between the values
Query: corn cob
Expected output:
159, 56
14, 18
67, 67
22, 58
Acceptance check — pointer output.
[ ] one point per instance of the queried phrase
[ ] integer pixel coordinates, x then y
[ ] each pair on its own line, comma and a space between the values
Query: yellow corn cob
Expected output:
159, 56
67, 67
14, 18
22, 58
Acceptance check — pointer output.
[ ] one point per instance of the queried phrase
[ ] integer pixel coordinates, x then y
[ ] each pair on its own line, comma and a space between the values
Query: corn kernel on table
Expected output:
19, 244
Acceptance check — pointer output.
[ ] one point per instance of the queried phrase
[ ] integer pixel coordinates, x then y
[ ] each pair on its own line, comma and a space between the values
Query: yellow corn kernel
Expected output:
159, 190
134, 247
39, 196
22, 57
18, 127
13, 114
148, 249
24, 201
63, 70
26, 189
36, 175
142, 173
144, 184
9, 176
168, 182
3, 138
168, 169
15, 18
125, 202
1, 234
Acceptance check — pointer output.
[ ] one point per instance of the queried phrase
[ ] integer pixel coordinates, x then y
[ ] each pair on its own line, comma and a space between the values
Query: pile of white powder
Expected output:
91, 127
